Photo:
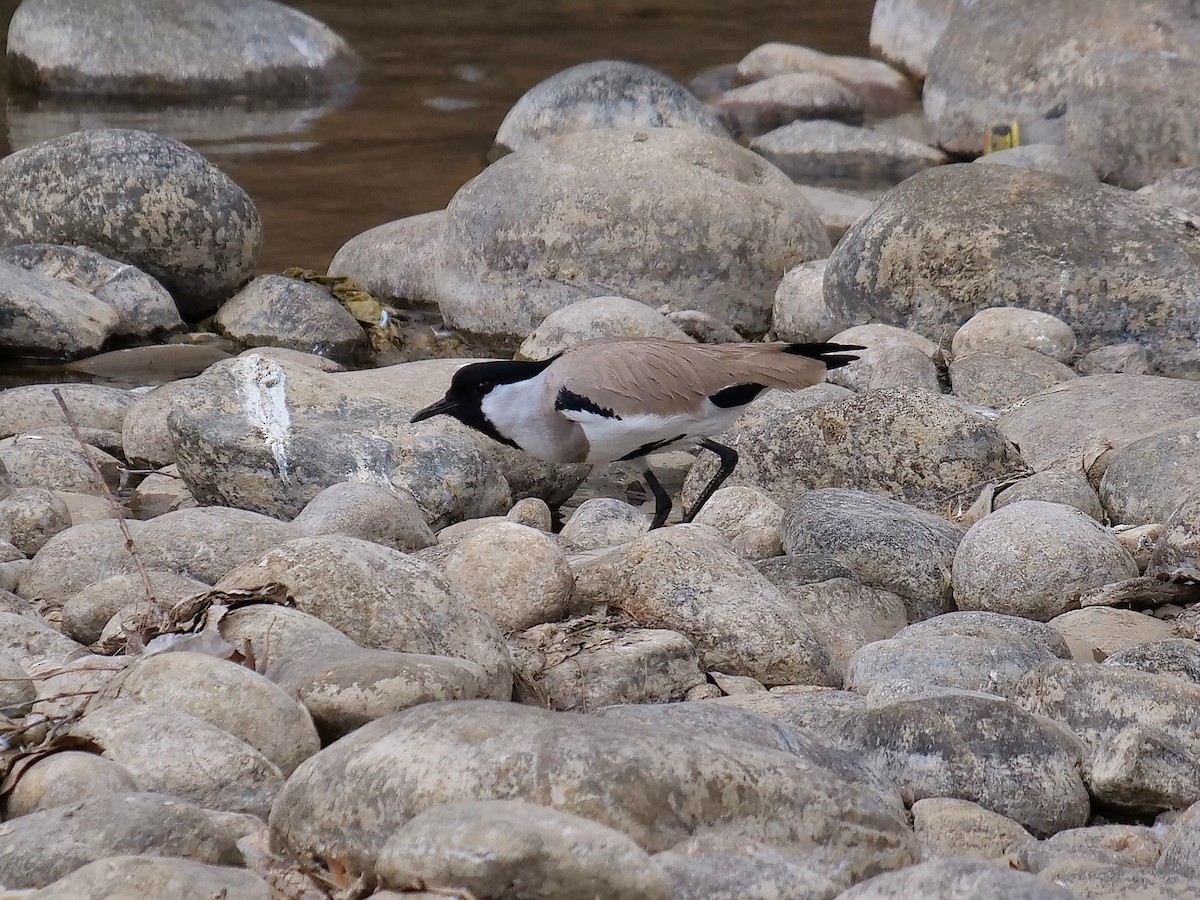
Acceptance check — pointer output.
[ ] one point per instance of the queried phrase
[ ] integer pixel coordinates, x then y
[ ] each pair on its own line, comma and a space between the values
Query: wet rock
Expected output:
885, 543
971, 663
845, 613
1052, 158
44, 846
904, 32
258, 47
596, 317
1133, 150
143, 306
947, 879
277, 311
994, 627
34, 645
999, 379
706, 868
948, 827
1033, 67
748, 519
226, 695
29, 517
136, 877
58, 462
116, 192
269, 436
883, 90
1178, 187
602, 94
1065, 486
603, 522
441, 752
498, 848
1081, 423
688, 579
382, 599
515, 575
144, 436
1136, 727
800, 312
582, 667
64, 778
160, 493
838, 210
914, 447
1148, 479
371, 512
1107, 630
345, 687
1034, 559
828, 151
1091, 880
395, 260
85, 614
755, 109
726, 263
921, 241
277, 636
1170, 656
1128, 359
159, 747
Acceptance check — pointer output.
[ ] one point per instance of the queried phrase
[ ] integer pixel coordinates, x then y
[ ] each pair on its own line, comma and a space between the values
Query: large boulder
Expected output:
666, 216
1110, 265
268, 436
603, 94
44, 317
920, 448
1147, 480
995, 63
139, 198
657, 785
904, 32
123, 47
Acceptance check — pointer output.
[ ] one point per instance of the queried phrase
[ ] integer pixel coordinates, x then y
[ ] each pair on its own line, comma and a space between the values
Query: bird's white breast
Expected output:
520, 412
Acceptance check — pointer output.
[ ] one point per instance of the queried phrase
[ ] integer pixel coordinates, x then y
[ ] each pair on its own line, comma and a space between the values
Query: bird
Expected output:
621, 399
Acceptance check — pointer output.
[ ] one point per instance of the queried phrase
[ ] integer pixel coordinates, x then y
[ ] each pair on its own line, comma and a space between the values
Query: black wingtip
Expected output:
833, 355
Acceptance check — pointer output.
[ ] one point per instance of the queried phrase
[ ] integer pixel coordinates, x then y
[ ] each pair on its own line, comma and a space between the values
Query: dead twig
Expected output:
118, 511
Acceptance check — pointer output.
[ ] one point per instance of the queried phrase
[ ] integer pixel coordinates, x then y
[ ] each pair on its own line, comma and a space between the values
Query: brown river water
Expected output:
438, 80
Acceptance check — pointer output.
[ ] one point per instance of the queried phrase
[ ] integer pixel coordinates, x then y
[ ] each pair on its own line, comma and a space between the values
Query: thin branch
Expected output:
118, 511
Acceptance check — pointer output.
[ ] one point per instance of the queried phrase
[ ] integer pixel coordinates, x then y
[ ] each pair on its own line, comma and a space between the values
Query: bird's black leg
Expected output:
662, 500
729, 461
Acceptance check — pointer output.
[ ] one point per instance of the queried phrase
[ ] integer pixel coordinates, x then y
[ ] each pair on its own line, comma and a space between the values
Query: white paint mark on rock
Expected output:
261, 386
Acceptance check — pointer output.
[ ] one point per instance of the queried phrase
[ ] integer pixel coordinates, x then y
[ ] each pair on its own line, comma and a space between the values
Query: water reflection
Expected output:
239, 126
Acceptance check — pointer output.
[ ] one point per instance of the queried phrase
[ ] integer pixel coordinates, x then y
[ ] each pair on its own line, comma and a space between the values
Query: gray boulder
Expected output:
511, 259
602, 94
1035, 559
824, 151
904, 32
268, 436
885, 543
143, 47
913, 446
998, 379
777, 100
45, 317
276, 311
143, 306
373, 781
597, 317
1079, 424
1179, 187
1148, 479
904, 263
1066, 486
1053, 158
396, 259
958, 879
138, 877
120, 193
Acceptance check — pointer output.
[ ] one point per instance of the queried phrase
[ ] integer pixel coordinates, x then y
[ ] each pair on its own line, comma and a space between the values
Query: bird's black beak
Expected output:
444, 407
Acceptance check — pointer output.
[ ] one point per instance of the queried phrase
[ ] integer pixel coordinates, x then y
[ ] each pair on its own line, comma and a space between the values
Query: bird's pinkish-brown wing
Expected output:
630, 376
